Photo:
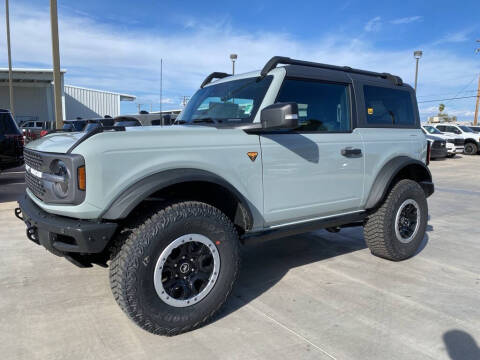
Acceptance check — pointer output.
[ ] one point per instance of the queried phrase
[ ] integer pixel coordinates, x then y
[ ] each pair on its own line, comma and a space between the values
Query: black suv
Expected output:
11, 142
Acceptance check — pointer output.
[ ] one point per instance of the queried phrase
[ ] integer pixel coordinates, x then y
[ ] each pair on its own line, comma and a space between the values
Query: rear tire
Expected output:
188, 238
470, 149
396, 229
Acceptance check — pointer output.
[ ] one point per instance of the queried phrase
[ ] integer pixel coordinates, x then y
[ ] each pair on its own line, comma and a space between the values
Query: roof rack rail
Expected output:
274, 61
95, 131
214, 75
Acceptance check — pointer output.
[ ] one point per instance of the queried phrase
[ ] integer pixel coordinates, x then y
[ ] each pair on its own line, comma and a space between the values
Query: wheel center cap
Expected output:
184, 268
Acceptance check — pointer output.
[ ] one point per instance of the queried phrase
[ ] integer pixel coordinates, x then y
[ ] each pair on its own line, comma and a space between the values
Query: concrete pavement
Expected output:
315, 296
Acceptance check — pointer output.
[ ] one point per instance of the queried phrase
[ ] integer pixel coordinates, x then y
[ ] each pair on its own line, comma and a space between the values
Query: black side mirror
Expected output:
280, 116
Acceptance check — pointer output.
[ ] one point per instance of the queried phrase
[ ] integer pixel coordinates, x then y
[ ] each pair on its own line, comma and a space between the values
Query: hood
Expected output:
434, 137
55, 143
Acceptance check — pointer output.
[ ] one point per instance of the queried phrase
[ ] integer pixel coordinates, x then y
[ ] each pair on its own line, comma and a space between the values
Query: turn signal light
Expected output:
82, 181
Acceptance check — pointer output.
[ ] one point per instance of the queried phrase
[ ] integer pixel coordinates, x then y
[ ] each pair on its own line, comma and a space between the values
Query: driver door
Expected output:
318, 169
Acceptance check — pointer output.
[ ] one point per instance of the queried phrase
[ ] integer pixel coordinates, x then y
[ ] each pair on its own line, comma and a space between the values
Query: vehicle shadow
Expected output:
461, 345
265, 264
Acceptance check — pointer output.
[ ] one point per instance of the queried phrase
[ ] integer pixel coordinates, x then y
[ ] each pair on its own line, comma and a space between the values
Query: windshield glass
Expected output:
432, 130
466, 129
227, 103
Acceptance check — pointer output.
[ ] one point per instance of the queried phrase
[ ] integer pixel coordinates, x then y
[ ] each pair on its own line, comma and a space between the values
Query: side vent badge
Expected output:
252, 155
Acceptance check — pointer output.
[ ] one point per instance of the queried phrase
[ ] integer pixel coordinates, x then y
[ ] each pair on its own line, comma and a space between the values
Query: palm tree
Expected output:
441, 107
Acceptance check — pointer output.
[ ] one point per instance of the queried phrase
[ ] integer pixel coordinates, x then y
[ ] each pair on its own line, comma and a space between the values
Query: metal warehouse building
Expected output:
34, 99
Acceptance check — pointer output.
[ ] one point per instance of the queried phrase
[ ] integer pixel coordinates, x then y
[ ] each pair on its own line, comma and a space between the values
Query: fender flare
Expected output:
388, 173
142, 189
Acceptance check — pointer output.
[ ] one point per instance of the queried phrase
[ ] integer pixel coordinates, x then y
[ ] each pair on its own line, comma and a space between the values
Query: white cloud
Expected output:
407, 20
113, 58
374, 24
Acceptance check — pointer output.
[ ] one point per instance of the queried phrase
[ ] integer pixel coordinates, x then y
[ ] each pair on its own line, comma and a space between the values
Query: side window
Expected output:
322, 107
441, 127
387, 106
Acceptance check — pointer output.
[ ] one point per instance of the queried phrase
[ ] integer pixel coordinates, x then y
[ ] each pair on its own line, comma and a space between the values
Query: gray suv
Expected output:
267, 154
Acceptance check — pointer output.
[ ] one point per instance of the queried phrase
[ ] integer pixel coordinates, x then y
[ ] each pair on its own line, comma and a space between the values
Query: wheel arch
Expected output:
189, 181
398, 168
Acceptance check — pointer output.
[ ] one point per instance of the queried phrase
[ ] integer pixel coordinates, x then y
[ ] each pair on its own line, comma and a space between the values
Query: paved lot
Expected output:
317, 296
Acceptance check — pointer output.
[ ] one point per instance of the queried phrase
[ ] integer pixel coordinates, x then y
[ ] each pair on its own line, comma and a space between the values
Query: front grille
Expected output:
32, 159
459, 142
35, 185
438, 144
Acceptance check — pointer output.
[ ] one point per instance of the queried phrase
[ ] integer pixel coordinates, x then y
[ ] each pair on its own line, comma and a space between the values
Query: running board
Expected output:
355, 219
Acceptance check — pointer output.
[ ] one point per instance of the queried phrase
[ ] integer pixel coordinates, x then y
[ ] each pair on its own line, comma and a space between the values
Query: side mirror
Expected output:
280, 116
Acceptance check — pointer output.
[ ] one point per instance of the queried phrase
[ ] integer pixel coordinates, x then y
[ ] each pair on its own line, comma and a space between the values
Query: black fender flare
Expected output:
142, 189
388, 173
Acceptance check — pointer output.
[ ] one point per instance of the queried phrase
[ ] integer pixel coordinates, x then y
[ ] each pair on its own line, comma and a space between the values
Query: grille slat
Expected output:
32, 159
34, 185
35, 161
459, 142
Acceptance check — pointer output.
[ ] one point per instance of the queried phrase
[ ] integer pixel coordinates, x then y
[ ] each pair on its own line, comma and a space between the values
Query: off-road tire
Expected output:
379, 229
470, 149
135, 256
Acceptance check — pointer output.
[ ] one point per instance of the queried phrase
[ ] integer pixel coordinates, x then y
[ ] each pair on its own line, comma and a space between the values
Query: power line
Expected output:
454, 98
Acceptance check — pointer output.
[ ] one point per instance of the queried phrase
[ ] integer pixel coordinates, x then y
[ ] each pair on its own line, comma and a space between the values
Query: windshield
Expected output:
227, 103
466, 129
432, 130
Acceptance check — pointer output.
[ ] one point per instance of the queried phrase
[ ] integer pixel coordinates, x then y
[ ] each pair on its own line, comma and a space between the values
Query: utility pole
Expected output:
185, 100
57, 77
475, 119
161, 90
10, 75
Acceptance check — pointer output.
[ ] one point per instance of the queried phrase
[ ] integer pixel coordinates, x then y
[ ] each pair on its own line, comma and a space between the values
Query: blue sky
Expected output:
117, 45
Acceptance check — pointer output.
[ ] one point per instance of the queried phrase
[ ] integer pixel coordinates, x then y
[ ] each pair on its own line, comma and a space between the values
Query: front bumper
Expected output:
438, 153
61, 235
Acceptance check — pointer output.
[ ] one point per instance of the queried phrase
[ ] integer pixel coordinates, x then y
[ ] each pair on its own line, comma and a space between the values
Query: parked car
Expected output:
472, 139
455, 144
262, 155
74, 125
11, 142
32, 130
438, 146
95, 123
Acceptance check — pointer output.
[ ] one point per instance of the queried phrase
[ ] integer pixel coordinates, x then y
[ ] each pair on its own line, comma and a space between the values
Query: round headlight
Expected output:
59, 168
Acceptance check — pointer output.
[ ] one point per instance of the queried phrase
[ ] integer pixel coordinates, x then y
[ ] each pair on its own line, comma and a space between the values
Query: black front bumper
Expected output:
436, 153
61, 235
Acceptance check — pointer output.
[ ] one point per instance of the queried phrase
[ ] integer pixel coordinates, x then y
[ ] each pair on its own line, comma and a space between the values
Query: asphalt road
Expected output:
315, 296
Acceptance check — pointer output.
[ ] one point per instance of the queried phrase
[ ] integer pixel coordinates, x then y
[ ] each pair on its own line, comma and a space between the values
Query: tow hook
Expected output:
32, 234
18, 213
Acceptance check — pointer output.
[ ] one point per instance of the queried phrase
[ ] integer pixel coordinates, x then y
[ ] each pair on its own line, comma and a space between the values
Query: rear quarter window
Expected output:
388, 107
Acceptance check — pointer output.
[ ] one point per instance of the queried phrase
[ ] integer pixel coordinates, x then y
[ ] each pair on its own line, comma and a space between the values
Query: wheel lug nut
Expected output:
175, 265
191, 259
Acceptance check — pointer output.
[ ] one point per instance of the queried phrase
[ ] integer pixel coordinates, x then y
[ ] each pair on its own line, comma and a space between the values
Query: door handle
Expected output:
351, 152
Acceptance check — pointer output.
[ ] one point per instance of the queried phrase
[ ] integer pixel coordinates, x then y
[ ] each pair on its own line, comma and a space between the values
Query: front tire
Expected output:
470, 149
396, 229
176, 270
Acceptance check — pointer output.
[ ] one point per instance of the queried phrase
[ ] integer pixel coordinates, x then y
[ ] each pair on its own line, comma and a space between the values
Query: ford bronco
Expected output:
273, 153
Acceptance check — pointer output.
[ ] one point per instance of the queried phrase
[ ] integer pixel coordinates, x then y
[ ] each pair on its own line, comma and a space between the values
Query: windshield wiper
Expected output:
205, 120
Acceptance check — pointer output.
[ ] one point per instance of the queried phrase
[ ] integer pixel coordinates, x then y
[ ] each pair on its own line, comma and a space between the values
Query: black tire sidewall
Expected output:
473, 150
406, 190
154, 308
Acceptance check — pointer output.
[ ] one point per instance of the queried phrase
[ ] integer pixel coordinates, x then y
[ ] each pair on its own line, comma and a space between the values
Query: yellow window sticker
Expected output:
370, 111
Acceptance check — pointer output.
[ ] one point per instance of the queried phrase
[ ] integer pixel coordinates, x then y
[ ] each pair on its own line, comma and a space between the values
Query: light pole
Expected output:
417, 55
233, 57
